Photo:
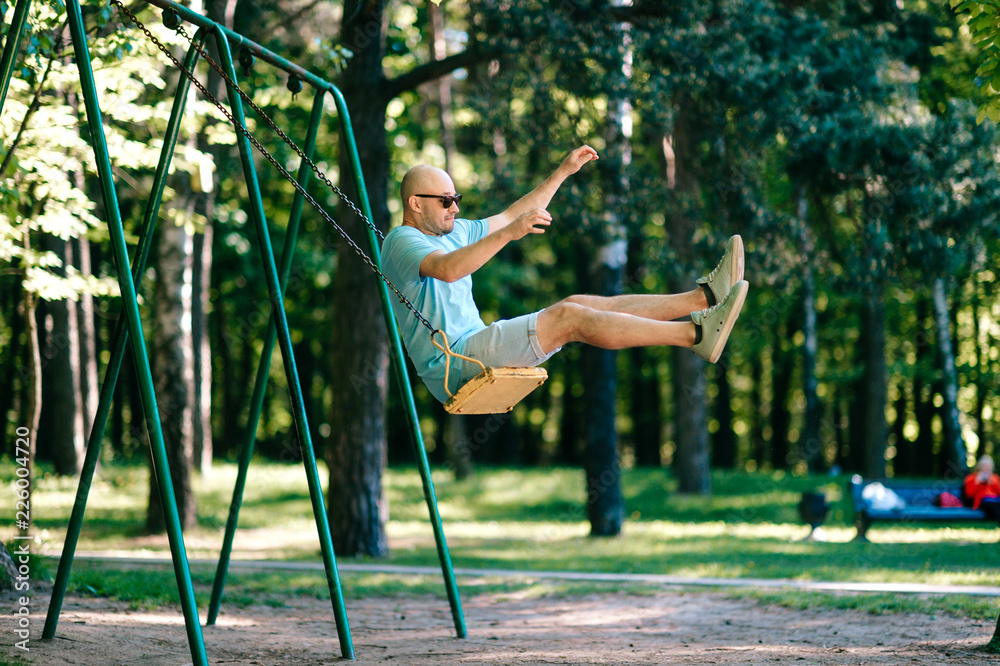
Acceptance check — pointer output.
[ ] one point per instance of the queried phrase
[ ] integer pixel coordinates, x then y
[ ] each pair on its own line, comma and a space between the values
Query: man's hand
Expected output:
532, 222
576, 159
535, 201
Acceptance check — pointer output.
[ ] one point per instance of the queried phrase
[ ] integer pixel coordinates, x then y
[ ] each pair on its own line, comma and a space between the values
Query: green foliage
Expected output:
983, 20
50, 160
870, 115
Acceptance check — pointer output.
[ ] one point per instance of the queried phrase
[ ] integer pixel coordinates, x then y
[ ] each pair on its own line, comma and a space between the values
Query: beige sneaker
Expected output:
717, 322
726, 274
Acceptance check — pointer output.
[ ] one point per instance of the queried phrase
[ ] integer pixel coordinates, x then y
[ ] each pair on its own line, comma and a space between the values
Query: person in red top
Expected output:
982, 488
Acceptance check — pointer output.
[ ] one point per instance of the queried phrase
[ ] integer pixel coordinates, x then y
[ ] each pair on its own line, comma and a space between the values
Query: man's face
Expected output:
435, 218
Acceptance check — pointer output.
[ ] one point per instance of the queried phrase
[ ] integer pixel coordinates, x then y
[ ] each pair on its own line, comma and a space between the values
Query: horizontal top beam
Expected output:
237, 40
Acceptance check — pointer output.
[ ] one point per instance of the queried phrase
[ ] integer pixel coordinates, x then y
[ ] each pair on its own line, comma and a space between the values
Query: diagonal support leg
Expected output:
404, 381
10, 49
285, 341
260, 383
159, 454
121, 340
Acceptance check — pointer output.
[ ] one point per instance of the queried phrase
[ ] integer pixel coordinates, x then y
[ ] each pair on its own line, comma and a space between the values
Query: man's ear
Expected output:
414, 203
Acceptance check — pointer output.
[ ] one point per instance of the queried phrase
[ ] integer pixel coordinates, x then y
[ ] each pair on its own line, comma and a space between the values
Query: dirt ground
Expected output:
669, 627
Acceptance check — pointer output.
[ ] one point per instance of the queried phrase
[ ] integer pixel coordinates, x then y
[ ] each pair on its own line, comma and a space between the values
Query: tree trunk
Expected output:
442, 86
438, 455
61, 426
841, 431
605, 504
12, 363
781, 383
203, 203
954, 446
993, 647
982, 373
724, 439
854, 456
173, 371
34, 398
359, 349
923, 395
757, 413
89, 391
875, 388
237, 367
691, 459
646, 403
9, 569
902, 463
201, 411
570, 424
457, 445
646, 407
116, 419
810, 442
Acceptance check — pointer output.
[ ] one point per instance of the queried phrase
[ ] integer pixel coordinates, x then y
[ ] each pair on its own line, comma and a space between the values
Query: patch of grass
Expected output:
152, 586
8, 660
961, 605
143, 588
524, 519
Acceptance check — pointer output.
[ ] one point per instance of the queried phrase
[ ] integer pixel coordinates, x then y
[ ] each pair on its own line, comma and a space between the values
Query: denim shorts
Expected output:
508, 343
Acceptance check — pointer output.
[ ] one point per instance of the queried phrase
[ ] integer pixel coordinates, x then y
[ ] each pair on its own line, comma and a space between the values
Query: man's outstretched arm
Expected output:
542, 195
526, 216
452, 266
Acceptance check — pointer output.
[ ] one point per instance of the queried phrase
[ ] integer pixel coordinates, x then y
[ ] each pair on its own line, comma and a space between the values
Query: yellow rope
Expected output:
448, 353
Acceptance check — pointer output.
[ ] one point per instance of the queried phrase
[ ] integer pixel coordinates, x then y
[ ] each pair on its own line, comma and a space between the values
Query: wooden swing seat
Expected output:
495, 390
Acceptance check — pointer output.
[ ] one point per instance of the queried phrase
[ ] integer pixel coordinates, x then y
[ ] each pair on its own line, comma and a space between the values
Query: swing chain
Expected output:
270, 158
274, 126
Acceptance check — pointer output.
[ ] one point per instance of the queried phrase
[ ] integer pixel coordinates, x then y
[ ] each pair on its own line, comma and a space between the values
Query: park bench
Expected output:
918, 497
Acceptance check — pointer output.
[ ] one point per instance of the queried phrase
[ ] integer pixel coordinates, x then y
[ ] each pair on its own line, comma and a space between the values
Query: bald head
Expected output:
424, 179
428, 212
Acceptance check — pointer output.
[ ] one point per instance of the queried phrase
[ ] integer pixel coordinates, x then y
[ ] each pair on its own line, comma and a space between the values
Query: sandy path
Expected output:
669, 626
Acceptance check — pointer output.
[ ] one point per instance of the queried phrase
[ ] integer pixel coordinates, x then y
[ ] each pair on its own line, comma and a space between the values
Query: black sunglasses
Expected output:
446, 200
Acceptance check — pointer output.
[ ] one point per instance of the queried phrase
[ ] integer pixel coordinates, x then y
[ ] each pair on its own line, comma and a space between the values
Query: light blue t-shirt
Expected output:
447, 305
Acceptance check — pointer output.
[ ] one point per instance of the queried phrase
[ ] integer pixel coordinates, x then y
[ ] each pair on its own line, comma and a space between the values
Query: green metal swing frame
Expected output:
129, 327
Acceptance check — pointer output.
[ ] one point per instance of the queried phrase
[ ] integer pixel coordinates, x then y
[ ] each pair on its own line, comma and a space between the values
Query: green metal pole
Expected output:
11, 47
260, 384
285, 341
402, 374
121, 339
160, 464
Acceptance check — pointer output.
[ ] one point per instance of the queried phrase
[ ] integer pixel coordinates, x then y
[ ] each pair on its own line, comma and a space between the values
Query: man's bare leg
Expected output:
618, 322
569, 321
658, 307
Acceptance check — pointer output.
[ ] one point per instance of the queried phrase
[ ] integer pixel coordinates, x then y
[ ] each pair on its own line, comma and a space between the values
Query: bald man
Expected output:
431, 258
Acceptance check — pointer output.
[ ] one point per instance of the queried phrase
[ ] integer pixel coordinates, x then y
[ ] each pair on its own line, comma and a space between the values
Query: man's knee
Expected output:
565, 319
585, 300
